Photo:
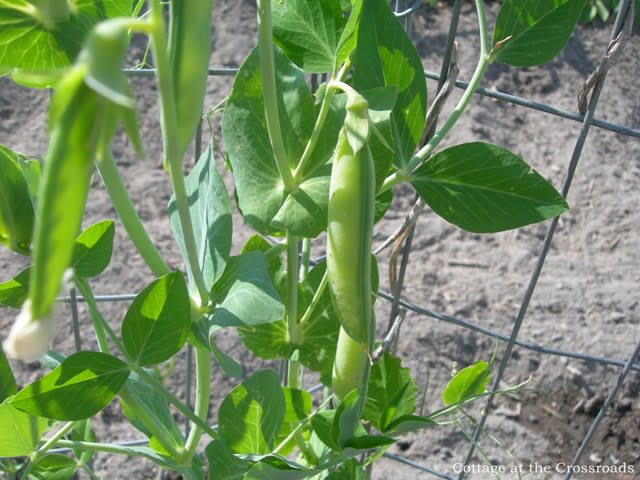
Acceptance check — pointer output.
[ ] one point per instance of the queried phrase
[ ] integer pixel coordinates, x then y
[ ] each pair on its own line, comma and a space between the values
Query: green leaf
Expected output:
368, 442
91, 379
298, 407
308, 32
483, 188
251, 415
391, 393
228, 365
322, 424
408, 423
346, 421
349, 38
211, 217
150, 414
273, 466
245, 294
532, 32
32, 45
349, 470
223, 464
383, 202
21, 432
7, 380
467, 383
158, 321
386, 56
16, 208
14, 292
54, 466
263, 203
93, 248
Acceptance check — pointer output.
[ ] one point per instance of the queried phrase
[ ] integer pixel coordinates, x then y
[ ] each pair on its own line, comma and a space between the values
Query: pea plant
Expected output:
303, 163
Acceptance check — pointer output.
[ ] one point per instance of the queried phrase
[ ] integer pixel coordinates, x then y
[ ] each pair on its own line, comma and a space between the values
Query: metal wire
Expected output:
512, 340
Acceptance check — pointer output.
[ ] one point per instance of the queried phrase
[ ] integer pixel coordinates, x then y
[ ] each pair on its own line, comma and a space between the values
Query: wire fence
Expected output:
403, 10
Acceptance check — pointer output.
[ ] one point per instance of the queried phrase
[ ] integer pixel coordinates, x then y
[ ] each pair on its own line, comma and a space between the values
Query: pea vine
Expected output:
303, 163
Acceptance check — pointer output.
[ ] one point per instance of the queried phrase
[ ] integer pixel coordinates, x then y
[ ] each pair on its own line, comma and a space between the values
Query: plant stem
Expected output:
83, 287
128, 215
203, 396
291, 312
316, 299
172, 161
181, 407
305, 257
49, 443
484, 62
394, 179
268, 74
103, 447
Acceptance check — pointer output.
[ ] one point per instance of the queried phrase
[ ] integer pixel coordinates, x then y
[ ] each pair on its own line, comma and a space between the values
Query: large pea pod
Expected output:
349, 237
189, 51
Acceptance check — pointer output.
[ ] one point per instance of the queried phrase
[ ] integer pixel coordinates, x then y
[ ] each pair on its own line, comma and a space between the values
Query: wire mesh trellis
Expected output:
403, 10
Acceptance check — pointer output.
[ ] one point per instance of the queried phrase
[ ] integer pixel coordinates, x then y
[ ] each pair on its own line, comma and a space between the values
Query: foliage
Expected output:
303, 163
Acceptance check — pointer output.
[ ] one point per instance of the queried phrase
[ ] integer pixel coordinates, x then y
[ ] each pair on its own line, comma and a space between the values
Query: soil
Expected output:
586, 299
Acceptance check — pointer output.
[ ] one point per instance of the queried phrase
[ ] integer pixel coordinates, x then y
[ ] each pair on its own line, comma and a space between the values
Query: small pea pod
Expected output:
189, 51
16, 207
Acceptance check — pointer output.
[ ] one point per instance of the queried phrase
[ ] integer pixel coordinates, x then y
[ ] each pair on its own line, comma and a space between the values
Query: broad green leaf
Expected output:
54, 466
483, 188
298, 407
261, 199
223, 464
272, 467
150, 414
385, 56
14, 292
228, 365
308, 32
408, 423
91, 379
349, 470
251, 415
33, 46
368, 442
7, 380
532, 32
211, 217
245, 294
16, 208
158, 321
346, 421
383, 202
322, 424
468, 382
93, 248
21, 432
391, 393
349, 37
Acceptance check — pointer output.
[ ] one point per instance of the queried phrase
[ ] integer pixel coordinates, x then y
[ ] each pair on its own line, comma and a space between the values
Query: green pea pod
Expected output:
16, 208
189, 51
83, 118
349, 237
63, 192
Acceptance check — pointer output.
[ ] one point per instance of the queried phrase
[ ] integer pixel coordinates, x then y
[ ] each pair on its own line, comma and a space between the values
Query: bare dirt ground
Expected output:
586, 300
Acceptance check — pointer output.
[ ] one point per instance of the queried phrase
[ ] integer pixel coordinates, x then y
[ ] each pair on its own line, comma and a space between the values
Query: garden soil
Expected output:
586, 300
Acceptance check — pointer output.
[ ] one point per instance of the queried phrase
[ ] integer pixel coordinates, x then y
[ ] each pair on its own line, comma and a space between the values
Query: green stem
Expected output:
392, 180
306, 257
294, 371
274, 251
128, 215
104, 447
181, 407
316, 299
203, 396
94, 314
49, 443
292, 291
169, 125
322, 116
483, 63
267, 70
